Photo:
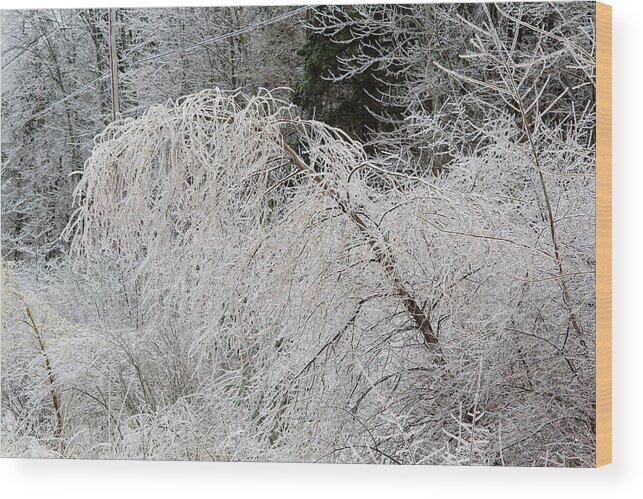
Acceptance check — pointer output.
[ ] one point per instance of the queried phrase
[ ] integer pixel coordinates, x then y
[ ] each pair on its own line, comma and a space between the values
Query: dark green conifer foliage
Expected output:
351, 104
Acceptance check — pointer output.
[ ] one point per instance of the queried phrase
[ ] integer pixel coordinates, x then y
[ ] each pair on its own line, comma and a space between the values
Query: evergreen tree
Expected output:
353, 104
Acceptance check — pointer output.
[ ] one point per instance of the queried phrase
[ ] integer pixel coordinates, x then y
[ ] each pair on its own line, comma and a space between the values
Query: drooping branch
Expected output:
233, 148
382, 253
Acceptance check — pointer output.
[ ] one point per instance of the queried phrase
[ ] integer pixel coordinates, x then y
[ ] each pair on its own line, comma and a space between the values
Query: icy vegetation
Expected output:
225, 275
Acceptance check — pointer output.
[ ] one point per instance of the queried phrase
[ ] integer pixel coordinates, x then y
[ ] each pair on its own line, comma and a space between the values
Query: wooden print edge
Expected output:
603, 234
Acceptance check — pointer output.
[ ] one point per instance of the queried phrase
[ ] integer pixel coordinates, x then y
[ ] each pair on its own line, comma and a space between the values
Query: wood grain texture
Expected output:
603, 234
